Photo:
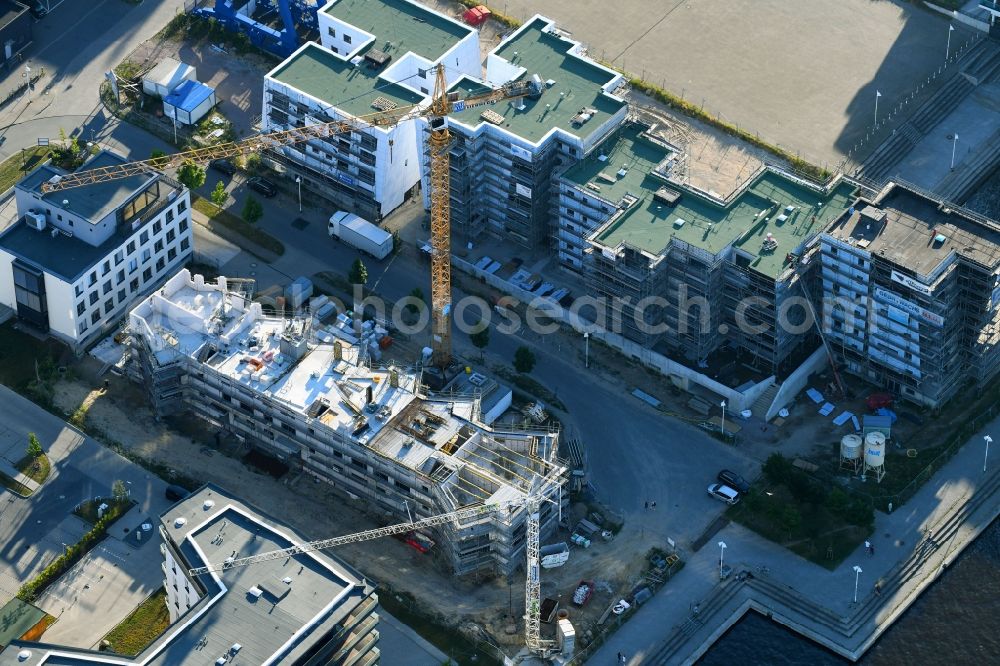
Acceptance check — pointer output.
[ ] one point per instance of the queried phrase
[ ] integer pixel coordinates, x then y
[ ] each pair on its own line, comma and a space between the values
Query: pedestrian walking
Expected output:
871, 551
621, 657
868, 548
647, 509
653, 505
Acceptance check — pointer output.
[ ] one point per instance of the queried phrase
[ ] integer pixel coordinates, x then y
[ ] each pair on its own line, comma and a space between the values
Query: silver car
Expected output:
723, 492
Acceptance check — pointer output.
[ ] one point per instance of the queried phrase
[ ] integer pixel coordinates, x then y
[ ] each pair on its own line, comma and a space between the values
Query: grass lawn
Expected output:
11, 169
36, 469
16, 486
141, 627
234, 223
22, 354
88, 509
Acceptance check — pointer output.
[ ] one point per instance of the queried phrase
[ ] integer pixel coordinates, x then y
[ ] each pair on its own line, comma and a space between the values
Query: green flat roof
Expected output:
650, 225
320, 73
578, 84
404, 25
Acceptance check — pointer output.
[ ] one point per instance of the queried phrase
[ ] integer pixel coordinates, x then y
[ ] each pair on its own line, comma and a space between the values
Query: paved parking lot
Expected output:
115, 577
802, 74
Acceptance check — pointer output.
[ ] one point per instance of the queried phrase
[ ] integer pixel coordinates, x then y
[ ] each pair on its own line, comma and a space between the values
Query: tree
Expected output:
524, 360
34, 446
157, 154
252, 210
359, 273
480, 337
219, 195
119, 490
191, 175
418, 294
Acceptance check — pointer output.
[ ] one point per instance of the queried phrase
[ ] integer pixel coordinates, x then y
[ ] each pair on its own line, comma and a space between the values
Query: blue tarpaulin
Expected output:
188, 95
891, 415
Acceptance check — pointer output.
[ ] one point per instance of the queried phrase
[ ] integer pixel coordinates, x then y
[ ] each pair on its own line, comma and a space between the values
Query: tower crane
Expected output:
442, 104
532, 584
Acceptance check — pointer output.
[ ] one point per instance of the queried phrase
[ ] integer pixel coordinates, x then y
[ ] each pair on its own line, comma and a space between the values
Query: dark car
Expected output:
176, 493
225, 166
262, 186
734, 480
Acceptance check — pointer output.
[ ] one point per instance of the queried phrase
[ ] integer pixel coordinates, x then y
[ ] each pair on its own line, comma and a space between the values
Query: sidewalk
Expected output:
913, 545
7, 467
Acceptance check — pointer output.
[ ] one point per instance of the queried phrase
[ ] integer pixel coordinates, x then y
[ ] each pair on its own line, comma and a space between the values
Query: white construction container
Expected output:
361, 234
554, 555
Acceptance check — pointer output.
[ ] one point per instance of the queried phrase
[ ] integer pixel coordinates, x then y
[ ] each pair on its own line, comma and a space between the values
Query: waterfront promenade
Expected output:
913, 545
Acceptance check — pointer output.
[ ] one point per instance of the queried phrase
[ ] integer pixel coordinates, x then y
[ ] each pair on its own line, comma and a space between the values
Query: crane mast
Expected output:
440, 165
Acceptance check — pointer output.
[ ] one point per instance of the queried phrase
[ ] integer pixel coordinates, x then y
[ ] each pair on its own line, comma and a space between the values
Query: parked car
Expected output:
225, 166
720, 491
175, 493
263, 186
734, 480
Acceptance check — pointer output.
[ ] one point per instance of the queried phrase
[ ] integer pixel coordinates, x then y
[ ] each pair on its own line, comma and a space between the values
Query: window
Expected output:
82, 327
184, 244
144, 238
106, 268
422, 73
95, 317
331, 32
146, 255
160, 263
80, 307
133, 264
106, 287
109, 305
147, 275
347, 39
183, 225
423, 90
171, 235
119, 277
171, 254
181, 207
157, 227
158, 246
119, 257
170, 216
130, 248
335, 50
121, 295
93, 297
92, 280
78, 290
134, 285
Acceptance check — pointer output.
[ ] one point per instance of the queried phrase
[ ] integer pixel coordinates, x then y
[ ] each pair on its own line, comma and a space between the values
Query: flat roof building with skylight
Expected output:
309, 608
77, 259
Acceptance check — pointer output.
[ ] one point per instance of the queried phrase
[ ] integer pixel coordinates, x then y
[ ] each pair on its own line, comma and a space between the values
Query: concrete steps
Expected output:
888, 154
958, 184
763, 403
941, 104
984, 65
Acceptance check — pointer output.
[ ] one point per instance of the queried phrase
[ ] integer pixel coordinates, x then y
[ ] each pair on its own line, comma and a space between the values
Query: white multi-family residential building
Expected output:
376, 55
77, 259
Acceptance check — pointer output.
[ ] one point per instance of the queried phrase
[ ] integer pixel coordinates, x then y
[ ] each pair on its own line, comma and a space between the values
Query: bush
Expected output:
776, 468
524, 360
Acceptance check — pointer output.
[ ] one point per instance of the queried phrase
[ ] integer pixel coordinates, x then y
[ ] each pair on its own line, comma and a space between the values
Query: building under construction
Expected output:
304, 394
911, 294
682, 268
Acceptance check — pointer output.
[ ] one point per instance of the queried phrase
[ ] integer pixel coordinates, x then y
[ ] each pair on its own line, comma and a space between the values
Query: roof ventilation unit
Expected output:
667, 196
35, 219
377, 59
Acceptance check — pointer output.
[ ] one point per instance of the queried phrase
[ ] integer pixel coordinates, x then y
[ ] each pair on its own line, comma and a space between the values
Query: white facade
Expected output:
181, 594
368, 171
91, 270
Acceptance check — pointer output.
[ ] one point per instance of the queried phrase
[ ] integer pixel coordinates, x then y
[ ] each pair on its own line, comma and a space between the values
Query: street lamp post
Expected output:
954, 144
723, 419
947, 49
586, 349
857, 576
986, 457
27, 82
298, 181
722, 553
877, 95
